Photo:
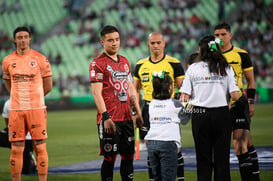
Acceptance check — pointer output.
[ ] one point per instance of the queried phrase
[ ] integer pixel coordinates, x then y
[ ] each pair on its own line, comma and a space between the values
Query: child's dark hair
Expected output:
193, 58
108, 29
161, 86
210, 52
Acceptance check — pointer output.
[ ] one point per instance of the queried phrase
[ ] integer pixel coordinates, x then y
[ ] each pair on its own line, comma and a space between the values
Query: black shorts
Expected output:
240, 114
146, 125
4, 138
122, 142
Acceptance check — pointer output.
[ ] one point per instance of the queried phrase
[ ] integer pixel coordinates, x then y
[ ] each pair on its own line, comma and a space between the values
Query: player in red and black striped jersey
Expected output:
115, 76
114, 92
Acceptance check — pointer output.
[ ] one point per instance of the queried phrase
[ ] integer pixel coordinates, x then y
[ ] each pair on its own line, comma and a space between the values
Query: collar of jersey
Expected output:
159, 60
229, 49
111, 58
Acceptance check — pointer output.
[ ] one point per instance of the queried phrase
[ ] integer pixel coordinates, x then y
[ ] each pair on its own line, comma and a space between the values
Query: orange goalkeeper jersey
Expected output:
26, 74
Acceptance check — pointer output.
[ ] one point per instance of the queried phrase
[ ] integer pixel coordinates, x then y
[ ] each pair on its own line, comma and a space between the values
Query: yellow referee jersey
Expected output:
145, 67
240, 62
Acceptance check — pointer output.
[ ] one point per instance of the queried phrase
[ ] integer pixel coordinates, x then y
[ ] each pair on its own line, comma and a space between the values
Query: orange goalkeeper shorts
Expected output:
22, 121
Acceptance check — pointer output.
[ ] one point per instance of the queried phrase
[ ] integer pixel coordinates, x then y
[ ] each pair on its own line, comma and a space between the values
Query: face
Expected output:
111, 43
22, 40
224, 35
156, 44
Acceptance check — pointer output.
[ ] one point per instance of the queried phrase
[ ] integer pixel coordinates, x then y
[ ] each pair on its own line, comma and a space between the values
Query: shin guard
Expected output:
255, 163
126, 167
107, 168
245, 166
42, 158
16, 160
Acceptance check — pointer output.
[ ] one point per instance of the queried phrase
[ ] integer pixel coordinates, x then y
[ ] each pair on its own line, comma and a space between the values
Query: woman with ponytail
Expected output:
207, 84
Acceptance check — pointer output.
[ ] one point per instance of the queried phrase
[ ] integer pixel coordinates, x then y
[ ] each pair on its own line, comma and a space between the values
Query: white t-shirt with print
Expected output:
209, 90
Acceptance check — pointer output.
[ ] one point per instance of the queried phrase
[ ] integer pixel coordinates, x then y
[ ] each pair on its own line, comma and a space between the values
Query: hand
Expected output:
138, 121
251, 109
109, 126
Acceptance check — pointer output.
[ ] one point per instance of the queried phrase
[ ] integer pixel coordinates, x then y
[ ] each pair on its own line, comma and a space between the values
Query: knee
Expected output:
239, 147
38, 142
127, 157
110, 158
17, 150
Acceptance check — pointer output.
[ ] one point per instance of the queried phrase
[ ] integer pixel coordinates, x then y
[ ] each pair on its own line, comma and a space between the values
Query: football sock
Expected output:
42, 160
245, 166
180, 167
126, 167
107, 168
16, 161
254, 159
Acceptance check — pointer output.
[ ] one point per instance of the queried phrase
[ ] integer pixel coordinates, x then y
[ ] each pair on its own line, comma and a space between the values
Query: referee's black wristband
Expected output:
251, 93
105, 116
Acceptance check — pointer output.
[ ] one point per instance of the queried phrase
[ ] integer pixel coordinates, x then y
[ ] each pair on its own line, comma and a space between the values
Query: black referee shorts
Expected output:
146, 125
122, 142
240, 114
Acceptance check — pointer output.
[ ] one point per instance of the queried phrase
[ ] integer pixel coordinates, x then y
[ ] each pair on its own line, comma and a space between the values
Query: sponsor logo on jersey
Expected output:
13, 65
240, 120
23, 77
92, 73
162, 118
145, 79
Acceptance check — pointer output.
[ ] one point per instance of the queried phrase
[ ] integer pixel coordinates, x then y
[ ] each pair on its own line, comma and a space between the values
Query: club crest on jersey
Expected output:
107, 147
126, 68
100, 76
32, 63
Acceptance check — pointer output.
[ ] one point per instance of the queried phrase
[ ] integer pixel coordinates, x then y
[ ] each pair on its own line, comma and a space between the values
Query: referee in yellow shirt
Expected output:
241, 63
157, 61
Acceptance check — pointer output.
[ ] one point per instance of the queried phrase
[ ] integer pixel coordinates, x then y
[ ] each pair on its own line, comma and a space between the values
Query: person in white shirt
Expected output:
29, 161
211, 80
163, 137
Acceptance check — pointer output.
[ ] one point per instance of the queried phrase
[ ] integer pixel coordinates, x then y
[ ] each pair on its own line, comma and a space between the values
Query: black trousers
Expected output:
211, 129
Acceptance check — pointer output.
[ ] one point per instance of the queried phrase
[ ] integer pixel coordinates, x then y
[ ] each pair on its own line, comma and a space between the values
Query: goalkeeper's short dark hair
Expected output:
21, 28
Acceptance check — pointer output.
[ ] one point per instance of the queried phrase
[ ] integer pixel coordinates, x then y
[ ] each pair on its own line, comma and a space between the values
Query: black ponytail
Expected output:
210, 52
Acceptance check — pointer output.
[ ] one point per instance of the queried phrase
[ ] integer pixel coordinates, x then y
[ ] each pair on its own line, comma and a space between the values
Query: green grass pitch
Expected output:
72, 138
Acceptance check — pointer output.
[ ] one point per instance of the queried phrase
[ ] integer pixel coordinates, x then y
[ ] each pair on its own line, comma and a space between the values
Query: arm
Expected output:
47, 84
179, 82
137, 85
134, 100
109, 125
249, 75
8, 84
